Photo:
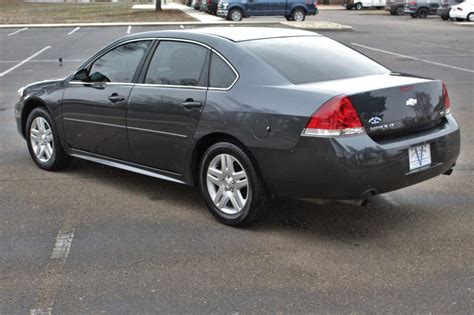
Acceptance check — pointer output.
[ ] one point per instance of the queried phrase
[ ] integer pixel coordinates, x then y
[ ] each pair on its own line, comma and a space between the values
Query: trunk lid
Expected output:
392, 105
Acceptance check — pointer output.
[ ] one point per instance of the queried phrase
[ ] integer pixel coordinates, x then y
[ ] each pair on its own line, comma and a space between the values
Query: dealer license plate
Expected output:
419, 156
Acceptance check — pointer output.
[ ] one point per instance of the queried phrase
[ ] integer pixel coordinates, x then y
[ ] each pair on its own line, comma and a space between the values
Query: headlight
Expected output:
20, 92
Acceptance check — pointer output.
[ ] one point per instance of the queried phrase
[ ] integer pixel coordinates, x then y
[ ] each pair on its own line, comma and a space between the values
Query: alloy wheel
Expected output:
298, 16
41, 138
227, 184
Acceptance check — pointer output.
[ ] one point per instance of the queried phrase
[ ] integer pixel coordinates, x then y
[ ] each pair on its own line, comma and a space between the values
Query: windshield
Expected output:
312, 59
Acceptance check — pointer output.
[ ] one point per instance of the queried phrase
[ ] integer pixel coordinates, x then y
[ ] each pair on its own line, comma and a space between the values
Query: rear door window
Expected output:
179, 64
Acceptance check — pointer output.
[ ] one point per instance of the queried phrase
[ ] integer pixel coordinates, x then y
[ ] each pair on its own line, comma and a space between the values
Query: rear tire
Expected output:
400, 10
230, 185
445, 17
298, 15
470, 17
358, 6
422, 13
43, 141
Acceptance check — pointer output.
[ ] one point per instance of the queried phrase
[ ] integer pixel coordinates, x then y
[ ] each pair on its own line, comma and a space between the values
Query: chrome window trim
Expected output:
94, 122
237, 75
97, 83
172, 86
159, 132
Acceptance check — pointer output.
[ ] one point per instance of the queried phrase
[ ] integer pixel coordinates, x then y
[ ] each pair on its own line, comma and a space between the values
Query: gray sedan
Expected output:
244, 114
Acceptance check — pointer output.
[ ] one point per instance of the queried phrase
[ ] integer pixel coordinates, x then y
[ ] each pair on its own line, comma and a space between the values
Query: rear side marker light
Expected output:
337, 117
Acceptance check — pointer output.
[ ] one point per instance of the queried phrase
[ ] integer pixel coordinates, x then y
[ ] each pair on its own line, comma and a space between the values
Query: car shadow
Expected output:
335, 221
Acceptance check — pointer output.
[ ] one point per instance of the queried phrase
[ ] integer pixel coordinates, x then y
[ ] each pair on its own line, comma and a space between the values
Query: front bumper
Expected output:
350, 167
222, 13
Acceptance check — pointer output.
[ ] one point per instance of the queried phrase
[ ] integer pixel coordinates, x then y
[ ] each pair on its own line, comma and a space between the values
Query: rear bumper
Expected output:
349, 167
410, 9
456, 14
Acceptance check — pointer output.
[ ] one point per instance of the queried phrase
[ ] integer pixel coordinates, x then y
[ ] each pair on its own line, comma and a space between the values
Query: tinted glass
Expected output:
119, 64
221, 75
313, 59
178, 63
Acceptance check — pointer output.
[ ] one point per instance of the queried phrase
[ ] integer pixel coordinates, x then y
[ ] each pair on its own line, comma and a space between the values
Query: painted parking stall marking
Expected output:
24, 61
412, 58
73, 31
129, 29
16, 32
62, 246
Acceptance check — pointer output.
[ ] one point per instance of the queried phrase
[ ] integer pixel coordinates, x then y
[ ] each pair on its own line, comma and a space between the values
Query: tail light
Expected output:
411, 2
336, 117
315, 3
447, 103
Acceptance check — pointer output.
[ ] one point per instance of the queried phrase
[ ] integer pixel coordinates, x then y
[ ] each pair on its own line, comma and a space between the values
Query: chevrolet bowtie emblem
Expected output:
411, 102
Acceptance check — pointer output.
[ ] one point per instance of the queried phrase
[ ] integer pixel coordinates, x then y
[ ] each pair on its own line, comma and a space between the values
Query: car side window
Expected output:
221, 75
178, 63
119, 64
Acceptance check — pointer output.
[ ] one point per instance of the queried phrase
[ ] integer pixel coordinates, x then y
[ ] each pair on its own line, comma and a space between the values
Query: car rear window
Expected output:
313, 59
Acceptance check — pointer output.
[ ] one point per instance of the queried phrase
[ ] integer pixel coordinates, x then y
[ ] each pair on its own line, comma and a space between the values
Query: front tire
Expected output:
230, 185
43, 141
470, 17
235, 15
358, 6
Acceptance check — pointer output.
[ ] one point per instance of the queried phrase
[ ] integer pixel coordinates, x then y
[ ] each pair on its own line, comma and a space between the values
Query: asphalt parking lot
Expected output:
141, 245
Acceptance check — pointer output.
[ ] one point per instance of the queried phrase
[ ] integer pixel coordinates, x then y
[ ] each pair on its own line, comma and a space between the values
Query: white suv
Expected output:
463, 11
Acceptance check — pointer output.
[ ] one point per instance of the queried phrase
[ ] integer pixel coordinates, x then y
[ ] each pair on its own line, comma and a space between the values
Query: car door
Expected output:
165, 108
95, 101
275, 7
256, 7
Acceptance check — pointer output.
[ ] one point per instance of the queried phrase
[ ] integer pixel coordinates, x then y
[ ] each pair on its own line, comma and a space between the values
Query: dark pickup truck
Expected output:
292, 10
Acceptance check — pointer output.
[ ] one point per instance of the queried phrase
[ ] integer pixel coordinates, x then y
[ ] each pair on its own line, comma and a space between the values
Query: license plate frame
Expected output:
419, 156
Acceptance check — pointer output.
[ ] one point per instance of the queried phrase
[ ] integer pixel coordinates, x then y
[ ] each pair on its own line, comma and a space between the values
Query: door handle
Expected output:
114, 98
190, 104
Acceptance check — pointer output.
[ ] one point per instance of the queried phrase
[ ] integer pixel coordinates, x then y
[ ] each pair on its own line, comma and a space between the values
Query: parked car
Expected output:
292, 10
196, 4
212, 7
395, 7
362, 4
445, 7
203, 7
244, 114
421, 8
463, 11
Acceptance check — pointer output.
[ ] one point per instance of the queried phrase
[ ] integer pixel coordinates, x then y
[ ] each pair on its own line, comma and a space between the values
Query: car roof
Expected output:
234, 34
238, 34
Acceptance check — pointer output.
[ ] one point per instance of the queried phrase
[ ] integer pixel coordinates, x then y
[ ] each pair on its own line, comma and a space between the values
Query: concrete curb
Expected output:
339, 27
464, 24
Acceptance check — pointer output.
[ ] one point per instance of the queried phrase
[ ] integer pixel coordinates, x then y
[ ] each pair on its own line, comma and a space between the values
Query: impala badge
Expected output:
411, 102
375, 120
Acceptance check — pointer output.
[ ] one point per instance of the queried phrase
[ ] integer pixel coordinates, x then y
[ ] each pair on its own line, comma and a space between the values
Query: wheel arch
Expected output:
299, 6
207, 141
28, 107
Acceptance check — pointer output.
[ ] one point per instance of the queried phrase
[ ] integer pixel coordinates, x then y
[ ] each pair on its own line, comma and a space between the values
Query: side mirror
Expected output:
81, 75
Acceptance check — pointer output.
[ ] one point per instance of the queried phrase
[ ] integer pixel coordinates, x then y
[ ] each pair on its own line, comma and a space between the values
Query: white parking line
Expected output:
129, 29
16, 32
24, 61
413, 58
447, 47
181, 26
41, 311
73, 31
62, 246
43, 61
